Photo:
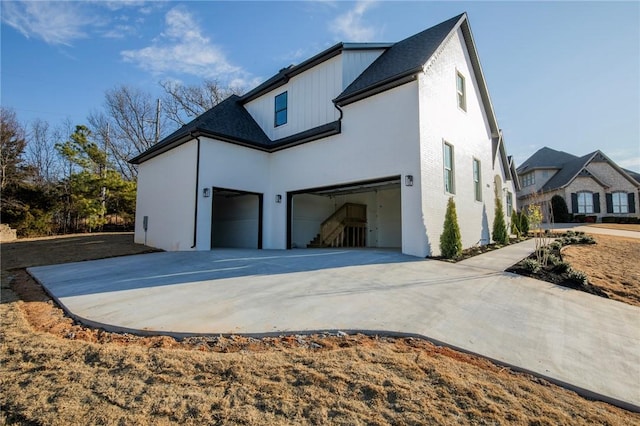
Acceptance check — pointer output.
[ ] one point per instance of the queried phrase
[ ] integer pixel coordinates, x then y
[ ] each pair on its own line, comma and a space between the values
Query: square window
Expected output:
461, 91
280, 116
620, 202
585, 202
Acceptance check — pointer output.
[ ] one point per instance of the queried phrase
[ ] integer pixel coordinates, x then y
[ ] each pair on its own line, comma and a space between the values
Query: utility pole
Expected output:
158, 121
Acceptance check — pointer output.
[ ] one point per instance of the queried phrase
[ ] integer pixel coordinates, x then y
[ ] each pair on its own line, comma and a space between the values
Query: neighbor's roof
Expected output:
569, 167
545, 158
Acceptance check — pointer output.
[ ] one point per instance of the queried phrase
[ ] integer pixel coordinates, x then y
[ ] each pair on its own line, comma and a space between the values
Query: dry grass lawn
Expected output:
613, 264
54, 372
620, 226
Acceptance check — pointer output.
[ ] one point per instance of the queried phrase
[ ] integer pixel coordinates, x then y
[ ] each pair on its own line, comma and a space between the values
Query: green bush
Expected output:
577, 276
524, 223
515, 224
450, 240
559, 208
531, 265
499, 233
561, 267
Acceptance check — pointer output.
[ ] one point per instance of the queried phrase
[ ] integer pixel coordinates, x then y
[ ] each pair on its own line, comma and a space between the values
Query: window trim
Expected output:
622, 196
585, 205
461, 94
451, 169
477, 184
285, 109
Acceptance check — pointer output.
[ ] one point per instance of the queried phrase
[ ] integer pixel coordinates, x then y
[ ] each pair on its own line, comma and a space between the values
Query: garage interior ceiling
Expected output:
356, 189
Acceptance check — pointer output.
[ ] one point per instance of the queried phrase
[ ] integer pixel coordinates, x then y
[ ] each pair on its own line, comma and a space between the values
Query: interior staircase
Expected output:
346, 227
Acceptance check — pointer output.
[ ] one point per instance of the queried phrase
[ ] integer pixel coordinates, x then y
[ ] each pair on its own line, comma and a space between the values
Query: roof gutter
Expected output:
195, 214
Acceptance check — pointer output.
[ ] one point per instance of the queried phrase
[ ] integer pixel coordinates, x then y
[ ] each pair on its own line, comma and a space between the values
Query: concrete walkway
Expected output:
585, 342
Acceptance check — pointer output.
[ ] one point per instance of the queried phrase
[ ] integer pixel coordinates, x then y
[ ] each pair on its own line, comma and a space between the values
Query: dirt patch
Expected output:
612, 265
55, 372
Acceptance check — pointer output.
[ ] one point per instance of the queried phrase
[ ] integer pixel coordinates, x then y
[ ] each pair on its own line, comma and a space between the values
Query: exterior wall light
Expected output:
278, 198
206, 192
408, 180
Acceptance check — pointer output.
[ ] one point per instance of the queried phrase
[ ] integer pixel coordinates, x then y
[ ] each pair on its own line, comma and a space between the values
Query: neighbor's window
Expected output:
461, 90
448, 168
477, 183
280, 117
585, 202
620, 202
528, 179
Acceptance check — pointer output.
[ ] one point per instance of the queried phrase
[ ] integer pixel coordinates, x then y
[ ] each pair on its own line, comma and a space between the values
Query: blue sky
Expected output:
561, 74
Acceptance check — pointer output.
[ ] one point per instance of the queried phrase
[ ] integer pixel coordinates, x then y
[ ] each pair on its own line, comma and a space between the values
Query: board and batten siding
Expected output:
310, 105
354, 62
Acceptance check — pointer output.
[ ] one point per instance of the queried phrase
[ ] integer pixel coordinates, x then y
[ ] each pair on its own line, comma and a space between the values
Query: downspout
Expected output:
197, 193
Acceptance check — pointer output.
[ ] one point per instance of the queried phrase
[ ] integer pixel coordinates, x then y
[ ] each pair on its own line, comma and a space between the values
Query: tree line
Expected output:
67, 177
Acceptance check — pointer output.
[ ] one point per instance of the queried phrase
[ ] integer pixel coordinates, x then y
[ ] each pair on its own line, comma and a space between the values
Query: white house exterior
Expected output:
359, 123
591, 185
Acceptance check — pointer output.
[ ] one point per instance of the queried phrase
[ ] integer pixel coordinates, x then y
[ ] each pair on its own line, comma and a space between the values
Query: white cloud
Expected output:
53, 22
349, 25
182, 48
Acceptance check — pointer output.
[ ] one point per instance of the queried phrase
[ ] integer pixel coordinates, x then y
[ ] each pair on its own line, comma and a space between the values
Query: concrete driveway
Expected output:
585, 342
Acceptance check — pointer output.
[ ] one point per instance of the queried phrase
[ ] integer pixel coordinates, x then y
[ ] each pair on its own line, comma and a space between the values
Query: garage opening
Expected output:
236, 219
355, 214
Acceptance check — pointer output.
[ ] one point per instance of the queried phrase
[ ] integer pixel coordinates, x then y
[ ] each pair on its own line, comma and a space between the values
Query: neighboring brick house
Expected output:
361, 145
591, 185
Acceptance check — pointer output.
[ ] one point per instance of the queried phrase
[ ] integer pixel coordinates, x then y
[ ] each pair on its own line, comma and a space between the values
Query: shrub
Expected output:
556, 245
531, 265
559, 209
561, 267
450, 240
524, 223
577, 276
515, 224
553, 259
499, 233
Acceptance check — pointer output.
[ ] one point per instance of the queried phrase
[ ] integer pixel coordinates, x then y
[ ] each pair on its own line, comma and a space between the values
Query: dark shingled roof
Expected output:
404, 58
546, 158
568, 171
228, 120
569, 166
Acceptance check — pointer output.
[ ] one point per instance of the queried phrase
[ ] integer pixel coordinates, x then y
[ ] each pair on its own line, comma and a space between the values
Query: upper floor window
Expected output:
461, 91
477, 182
448, 169
620, 202
280, 115
528, 179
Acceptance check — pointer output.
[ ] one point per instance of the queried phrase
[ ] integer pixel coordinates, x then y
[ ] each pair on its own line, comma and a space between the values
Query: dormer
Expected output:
300, 97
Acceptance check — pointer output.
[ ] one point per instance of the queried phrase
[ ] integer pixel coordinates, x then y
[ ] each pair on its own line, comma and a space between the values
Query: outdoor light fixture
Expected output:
278, 198
206, 192
408, 180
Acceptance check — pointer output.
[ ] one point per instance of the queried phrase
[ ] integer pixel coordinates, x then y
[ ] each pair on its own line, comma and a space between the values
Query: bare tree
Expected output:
40, 154
127, 126
183, 103
12, 144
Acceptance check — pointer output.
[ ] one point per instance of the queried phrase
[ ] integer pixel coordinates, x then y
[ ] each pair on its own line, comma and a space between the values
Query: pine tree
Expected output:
515, 224
499, 233
450, 240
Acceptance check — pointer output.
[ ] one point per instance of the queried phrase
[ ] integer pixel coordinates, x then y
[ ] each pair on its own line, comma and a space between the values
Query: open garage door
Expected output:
236, 219
355, 214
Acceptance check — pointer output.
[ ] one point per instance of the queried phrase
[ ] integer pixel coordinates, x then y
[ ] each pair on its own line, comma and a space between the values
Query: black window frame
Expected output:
278, 112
